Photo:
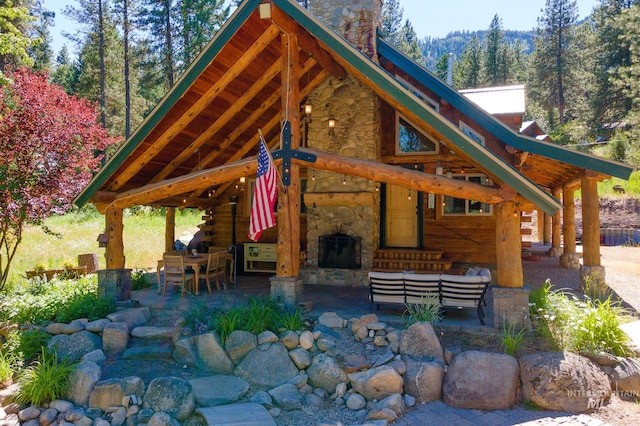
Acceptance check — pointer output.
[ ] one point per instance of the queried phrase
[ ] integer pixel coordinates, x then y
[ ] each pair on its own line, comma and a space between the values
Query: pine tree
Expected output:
41, 53
408, 43
14, 41
392, 21
495, 54
156, 17
66, 72
554, 56
201, 19
467, 70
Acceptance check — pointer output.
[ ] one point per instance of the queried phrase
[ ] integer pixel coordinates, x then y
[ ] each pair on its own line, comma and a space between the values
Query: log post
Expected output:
508, 244
286, 286
569, 258
556, 231
540, 215
115, 246
510, 298
547, 229
169, 229
592, 274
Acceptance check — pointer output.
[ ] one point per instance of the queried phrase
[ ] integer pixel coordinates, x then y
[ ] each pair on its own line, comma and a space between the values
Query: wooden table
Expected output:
196, 263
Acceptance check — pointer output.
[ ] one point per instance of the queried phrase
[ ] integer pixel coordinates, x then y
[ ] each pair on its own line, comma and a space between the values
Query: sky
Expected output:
435, 18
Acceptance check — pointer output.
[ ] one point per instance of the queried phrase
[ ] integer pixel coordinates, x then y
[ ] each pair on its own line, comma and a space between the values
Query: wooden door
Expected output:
401, 223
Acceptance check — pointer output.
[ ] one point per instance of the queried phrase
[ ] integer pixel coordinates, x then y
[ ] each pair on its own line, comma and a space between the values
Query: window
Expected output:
424, 98
452, 206
473, 135
411, 140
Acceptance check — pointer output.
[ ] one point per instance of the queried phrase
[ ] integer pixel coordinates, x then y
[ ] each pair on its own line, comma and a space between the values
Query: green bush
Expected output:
260, 315
44, 381
88, 306
428, 310
227, 322
139, 279
511, 340
291, 319
198, 319
27, 345
8, 366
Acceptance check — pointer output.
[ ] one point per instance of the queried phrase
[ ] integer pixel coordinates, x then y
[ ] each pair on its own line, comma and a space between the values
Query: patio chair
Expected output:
212, 269
175, 274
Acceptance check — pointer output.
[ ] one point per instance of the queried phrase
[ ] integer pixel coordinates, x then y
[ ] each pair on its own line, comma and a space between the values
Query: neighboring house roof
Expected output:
498, 100
209, 118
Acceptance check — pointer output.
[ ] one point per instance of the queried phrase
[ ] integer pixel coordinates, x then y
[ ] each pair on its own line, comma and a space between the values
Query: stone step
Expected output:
152, 333
414, 265
148, 352
245, 414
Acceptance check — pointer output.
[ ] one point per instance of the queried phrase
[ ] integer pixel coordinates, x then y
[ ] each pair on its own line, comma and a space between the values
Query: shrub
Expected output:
291, 319
427, 311
27, 345
511, 340
260, 315
227, 322
89, 306
44, 381
198, 319
139, 279
8, 365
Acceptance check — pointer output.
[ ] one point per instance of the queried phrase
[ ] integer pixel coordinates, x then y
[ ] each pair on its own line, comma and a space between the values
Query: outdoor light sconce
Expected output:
439, 168
332, 125
308, 109
241, 184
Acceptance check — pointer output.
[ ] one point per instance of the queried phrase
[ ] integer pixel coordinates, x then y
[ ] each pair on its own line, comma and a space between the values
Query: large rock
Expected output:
184, 351
300, 358
134, 317
325, 373
115, 338
331, 320
110, 392
563, 381
268, 365
74, 346
149, 332
239, 343
171, 395
162, 419
287, 397
218, 390
420, 341
481, 380
82, 380
626, 376
377, 383
211, 354
423, 380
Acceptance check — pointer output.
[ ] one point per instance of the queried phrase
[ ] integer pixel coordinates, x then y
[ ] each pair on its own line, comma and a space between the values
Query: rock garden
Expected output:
331, 370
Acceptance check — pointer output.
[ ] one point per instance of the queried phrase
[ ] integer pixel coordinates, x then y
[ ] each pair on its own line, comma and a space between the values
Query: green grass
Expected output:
631, 187
427, 311
511, 340
76, 233
45, 380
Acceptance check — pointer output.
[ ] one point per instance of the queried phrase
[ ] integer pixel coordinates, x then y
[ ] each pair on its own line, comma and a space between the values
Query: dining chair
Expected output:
212, 269
174, 273
221, 269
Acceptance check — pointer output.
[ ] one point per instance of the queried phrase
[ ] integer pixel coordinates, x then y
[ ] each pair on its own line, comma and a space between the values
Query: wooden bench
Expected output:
459, 291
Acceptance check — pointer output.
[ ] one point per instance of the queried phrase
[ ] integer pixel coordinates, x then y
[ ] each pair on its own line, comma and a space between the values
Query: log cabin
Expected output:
382, 165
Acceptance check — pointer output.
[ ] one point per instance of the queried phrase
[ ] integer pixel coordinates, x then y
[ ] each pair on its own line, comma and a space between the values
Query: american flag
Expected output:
264, 194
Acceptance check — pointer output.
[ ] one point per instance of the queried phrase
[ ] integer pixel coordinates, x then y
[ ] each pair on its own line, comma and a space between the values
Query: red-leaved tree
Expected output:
50, 146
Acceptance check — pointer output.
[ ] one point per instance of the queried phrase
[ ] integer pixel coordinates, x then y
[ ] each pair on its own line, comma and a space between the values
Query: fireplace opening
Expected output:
339, 251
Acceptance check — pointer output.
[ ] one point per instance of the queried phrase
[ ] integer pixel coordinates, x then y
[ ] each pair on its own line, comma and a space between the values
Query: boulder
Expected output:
563, 381
162, 419
96, 356
356, 402
211, 354
423, 379
377, 383
239, 343
626, 376
75, 326
420, 341
267, 336
171, 395
82, 380
481, 380
115, 338
218, 390
55, 328
134, 317
97, 325
393, 402
184, 351
325, 373
331, 320
48, 416
306, 340
268, 365
262, 398
287, 397
300, 358
110, 392
290, 339
74, 346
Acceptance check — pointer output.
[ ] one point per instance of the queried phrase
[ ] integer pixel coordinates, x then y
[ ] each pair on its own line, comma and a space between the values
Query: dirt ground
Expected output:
618, 212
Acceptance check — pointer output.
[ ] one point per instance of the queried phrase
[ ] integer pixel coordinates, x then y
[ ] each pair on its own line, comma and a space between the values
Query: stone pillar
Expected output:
511, 306
114, 283
286, 290
569, 258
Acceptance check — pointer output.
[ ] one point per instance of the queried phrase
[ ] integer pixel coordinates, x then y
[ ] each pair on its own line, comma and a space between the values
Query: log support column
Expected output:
556, 229
569, 258
169, 229
510, 298
592, 273
115, 281
286, 286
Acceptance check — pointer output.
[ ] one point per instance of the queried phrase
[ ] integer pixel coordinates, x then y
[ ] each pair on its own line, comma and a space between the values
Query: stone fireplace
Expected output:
339, 251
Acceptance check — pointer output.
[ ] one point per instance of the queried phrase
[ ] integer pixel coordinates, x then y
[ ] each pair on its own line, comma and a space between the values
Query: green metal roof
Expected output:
177, 91
495, 126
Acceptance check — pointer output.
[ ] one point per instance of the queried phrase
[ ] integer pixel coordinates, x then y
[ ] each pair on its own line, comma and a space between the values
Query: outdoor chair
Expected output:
212, 269
175, 274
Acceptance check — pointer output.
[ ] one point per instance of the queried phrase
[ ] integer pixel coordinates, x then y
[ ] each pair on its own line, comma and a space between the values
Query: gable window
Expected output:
424, 98
410, 140
473, 135
452, 206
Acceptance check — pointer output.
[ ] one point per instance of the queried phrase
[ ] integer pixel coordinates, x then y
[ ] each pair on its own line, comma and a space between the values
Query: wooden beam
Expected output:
308, 43
350, 199
288, 247
169, 230
508, 245
590, 221
556, 228
569, 220
163, 140
396, 175
115, 246
171, 187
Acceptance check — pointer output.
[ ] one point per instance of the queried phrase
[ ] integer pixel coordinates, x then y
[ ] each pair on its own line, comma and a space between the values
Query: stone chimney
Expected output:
355, 20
